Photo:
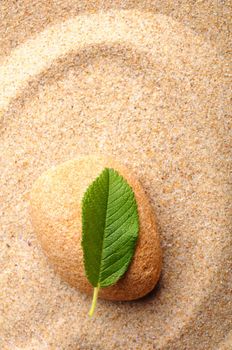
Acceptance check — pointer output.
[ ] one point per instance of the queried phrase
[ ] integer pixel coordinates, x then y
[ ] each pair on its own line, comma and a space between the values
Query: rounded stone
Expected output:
55, 209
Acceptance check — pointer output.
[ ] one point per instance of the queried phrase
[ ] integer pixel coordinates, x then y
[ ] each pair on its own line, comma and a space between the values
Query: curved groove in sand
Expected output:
124, 26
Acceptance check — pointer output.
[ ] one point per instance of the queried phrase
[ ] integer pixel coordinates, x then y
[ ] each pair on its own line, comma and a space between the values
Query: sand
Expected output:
150, 88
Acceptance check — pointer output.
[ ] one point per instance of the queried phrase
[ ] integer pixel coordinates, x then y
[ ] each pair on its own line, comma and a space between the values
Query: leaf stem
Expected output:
94, 300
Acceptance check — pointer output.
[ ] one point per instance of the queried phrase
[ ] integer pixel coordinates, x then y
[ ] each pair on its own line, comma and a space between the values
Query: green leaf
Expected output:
110, 227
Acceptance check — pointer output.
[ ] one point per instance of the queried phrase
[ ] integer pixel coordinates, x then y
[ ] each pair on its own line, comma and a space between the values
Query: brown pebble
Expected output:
56, 216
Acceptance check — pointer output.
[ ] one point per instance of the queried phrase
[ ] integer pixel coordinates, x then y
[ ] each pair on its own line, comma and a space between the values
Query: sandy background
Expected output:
152, 90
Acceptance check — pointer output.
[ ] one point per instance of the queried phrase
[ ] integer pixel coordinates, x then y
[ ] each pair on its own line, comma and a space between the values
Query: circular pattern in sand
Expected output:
144, 89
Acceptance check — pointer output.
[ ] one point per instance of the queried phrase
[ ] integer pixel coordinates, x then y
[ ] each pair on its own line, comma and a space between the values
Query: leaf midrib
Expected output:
108, 190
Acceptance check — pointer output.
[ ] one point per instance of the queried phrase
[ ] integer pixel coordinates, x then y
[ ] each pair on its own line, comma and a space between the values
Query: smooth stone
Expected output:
55, 209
